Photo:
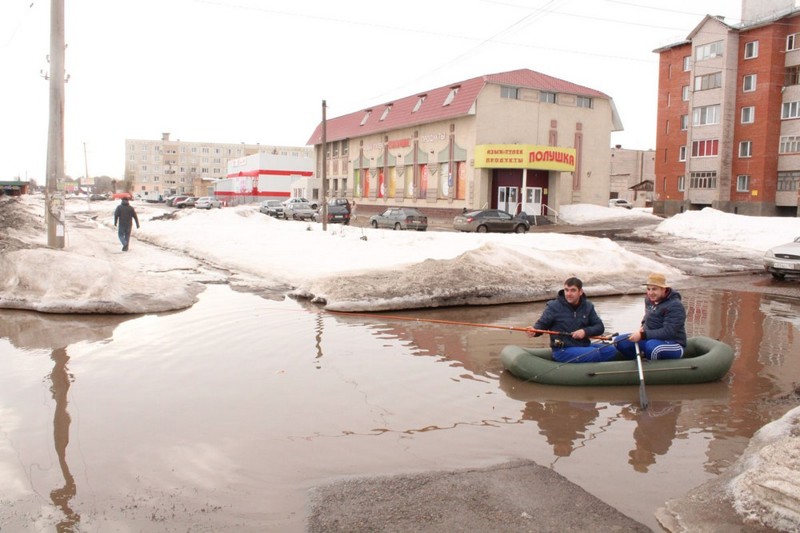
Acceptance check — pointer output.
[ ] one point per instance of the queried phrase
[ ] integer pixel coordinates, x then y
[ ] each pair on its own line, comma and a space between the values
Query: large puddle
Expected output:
224, 415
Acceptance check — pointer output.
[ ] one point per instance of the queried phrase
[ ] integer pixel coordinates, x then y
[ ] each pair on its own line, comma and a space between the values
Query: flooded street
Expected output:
224, 415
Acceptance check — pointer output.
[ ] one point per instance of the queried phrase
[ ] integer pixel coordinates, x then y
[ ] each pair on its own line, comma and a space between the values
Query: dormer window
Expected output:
451, 96
421, 99
366, 116
386, 112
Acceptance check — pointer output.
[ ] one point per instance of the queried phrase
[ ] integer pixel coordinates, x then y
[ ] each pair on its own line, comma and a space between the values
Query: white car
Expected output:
620, 202
207, 202
783, 260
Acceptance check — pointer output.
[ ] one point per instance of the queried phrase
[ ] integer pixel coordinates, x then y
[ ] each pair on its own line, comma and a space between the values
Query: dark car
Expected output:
486, 220
783, 260
273, 208
400, 218
338, 212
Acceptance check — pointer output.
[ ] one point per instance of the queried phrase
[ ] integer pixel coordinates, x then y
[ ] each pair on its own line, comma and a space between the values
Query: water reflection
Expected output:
61, 497
28, 330
655, 430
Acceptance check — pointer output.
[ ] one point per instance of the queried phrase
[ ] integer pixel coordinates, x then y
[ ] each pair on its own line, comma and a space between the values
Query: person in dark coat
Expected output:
662, 334
574, 317
124, 216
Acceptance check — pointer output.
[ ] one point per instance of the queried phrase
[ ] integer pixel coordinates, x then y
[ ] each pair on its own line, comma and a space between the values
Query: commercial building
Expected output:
520, 141
728, 115
268, 176
163, 167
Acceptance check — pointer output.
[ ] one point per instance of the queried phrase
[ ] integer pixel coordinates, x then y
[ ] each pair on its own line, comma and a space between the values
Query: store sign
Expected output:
525, 156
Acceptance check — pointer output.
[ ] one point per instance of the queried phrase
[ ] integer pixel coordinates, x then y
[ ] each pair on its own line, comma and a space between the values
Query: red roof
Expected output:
401, 114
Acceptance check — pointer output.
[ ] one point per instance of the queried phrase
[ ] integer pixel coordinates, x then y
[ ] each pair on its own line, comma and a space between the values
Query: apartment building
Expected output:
165, 166
519, 140
729, 115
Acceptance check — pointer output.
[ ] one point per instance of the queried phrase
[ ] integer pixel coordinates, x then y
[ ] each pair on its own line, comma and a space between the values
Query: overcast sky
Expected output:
257, 71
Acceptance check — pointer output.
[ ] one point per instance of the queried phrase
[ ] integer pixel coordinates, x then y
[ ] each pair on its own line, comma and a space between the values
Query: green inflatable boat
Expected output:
704, 360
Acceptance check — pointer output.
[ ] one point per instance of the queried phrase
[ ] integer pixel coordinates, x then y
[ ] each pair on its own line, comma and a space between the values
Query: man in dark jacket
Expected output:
573, 316
663, 331
124, 216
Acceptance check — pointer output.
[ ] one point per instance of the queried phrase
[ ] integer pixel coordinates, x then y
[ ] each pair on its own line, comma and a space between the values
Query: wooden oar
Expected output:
642, 394
650, 371
456, 323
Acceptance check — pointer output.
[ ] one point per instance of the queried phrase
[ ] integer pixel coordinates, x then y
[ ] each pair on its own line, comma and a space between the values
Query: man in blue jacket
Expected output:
572, 315
662, 334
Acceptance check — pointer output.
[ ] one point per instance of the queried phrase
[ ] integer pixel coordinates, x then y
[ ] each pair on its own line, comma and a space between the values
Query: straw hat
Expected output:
654, 278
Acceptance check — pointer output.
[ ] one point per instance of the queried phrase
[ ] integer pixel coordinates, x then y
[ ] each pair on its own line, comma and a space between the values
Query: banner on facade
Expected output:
524, 156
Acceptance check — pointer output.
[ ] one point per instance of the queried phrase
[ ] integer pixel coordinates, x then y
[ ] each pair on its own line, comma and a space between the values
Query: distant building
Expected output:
729, 115
520, 141
164, 167
632, 173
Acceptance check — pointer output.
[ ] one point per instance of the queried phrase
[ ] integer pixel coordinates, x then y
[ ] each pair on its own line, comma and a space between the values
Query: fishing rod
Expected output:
457, 323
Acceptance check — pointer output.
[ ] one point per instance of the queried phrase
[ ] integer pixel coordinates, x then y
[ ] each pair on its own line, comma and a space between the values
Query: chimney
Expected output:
165, 136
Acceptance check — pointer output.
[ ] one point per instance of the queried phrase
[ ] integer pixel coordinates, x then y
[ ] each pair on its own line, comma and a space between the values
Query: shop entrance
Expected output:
508, 199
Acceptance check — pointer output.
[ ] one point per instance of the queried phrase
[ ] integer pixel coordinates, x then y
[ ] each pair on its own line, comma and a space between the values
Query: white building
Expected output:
266, 176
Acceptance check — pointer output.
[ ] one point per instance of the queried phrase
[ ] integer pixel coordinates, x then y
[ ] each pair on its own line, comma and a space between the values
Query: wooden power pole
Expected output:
54, 197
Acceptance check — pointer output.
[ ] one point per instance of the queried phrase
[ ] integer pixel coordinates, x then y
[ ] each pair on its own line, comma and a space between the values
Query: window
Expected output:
788, 181
687, 63
749, 83
790, 110
685, 93
790, 144
751, 50
707, 148
703, 180
682, 153
366, 116
421, 99
386, 112
746, 149
584, 101
702, 116
742, 183
792, 75
546, 97
684, 122
451, 96
792, 42
708, 51
748, 115
681, 183
509, 92
709, 81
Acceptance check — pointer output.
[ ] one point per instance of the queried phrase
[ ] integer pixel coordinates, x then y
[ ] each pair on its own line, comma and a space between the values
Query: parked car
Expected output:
189, 201
98, 197
338, 212
620, 202
487, 220
301, 200
172, 200
273, 208
400, 218
207, 202
298, 209
783, 260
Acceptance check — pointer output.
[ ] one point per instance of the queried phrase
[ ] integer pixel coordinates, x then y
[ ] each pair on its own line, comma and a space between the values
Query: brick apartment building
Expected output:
729, 115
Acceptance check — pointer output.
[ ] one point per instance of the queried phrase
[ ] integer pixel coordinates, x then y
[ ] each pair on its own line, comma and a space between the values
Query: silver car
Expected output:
298, 209
400, 218
486, 220
783, 260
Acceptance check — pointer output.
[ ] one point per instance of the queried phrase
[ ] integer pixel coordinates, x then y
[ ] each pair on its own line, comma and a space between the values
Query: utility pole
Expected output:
324, 170
54, 191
